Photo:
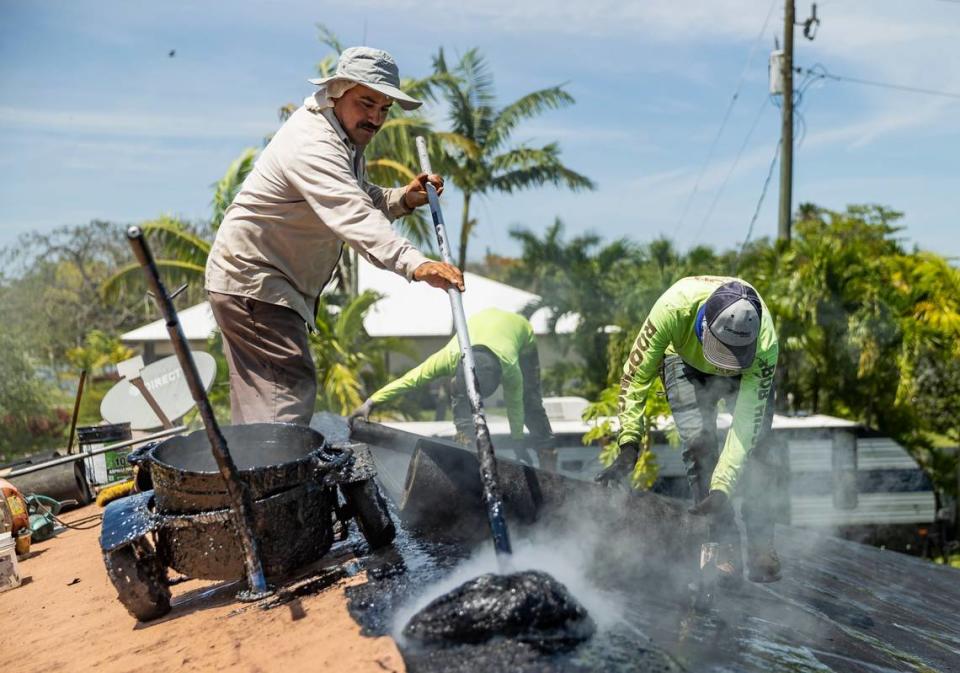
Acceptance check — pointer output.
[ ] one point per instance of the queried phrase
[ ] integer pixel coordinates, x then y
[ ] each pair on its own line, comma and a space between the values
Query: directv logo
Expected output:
158, 382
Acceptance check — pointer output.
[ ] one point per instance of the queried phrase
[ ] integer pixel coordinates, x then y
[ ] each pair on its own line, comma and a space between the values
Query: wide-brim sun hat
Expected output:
731, 317
374, 69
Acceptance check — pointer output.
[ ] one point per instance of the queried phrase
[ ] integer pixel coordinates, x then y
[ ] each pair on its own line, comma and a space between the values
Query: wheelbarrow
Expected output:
185, 522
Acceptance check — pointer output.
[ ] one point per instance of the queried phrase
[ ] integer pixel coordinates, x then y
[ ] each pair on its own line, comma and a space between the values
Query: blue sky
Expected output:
96, 121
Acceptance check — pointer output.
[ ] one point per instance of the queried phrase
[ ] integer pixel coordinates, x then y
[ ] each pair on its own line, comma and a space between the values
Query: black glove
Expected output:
360, 412
712, 504
620, 470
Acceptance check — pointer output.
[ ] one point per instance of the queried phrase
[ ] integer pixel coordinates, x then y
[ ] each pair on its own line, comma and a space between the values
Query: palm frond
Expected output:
349, 324
426, 88
419, 229
403, 174
176, 240
525, 167
461, 143
525, 107
177, 249
130, 277
469, 93
229, 185
328, 38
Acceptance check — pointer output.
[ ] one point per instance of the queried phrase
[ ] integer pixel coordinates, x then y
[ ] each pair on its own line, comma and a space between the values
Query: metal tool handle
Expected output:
488, 463
242, 505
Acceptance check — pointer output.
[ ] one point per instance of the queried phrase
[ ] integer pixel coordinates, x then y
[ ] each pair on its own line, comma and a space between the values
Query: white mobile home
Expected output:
836, 476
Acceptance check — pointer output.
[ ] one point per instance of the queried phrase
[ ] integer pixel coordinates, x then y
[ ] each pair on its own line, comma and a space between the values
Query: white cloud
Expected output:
131, 123
937, 115
660, 20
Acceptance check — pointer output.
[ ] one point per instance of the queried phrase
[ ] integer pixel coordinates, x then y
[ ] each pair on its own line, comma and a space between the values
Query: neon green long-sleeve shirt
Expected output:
506, 334
669, 329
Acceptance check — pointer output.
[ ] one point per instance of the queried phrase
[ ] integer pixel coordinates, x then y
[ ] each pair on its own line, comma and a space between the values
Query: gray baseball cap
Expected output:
488, 369
373, 68
731, 326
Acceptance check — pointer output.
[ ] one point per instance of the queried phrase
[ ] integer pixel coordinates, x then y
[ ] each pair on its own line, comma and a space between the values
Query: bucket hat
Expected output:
731, 325
373, 68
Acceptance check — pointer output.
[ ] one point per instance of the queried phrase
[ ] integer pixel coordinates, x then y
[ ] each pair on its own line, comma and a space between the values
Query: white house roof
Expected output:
407, 309
499, 425
416, 309
197, 323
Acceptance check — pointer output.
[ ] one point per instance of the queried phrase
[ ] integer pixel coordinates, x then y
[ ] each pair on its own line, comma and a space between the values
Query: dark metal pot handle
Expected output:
331, 464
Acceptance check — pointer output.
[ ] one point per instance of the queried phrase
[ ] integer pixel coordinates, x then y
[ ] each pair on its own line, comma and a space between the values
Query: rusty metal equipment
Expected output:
262, 507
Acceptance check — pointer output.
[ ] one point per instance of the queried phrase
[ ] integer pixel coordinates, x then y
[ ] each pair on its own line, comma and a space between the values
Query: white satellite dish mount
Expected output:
155, 395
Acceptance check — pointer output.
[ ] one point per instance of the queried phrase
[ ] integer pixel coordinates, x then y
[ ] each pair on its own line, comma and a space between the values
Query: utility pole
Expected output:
786, 129
786, 126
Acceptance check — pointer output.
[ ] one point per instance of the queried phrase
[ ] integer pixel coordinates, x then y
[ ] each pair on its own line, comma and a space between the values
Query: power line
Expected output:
820, 72
733, 167
763, 194
726, 118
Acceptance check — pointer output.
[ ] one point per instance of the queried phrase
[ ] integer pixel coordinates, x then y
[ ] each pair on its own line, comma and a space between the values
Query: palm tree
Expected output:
482, 160
350, 363
575, 276
181, 249
227, 187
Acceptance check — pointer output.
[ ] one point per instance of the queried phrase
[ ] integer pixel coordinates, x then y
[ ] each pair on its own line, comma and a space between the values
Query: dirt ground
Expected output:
66, 617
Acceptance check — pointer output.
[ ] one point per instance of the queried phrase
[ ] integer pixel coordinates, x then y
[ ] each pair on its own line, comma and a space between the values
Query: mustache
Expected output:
368, 126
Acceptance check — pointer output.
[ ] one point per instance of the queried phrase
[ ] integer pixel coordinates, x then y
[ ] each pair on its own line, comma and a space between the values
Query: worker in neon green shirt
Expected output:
504, 351
710, 338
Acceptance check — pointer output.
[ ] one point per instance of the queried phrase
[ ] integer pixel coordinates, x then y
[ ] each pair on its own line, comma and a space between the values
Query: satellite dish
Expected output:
166, 383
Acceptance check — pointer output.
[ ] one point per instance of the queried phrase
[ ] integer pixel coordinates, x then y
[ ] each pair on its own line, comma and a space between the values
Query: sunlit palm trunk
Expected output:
464, 231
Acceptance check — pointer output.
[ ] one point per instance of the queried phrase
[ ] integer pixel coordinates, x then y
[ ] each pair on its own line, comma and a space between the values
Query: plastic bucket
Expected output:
23, 542
111, 466
9, 568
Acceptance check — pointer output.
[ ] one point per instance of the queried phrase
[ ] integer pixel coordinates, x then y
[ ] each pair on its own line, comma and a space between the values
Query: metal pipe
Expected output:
492, 498
76, 410
242, 503
96, 452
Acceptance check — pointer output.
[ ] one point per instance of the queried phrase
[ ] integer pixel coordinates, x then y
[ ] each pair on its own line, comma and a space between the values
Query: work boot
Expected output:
764, 563
730, 572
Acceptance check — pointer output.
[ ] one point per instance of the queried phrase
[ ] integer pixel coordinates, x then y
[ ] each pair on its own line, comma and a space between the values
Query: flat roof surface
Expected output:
840, 606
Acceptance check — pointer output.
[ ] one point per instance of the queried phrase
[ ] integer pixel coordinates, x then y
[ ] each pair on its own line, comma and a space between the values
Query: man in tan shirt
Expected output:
282, 237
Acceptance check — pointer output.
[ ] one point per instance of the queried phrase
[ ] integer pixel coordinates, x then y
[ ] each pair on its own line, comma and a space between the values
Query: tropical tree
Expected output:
573, 277
598, 414
479, 157
180, 248
227, 187
99, 351
868, 331
49, 288
350, 363
27, 420
611, 287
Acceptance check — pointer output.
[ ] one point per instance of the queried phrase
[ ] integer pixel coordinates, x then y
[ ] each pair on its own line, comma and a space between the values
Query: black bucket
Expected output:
270, 458
103, 434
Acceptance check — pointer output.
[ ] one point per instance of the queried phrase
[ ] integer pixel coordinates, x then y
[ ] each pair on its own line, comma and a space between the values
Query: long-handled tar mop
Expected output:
488, 464
529, 605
